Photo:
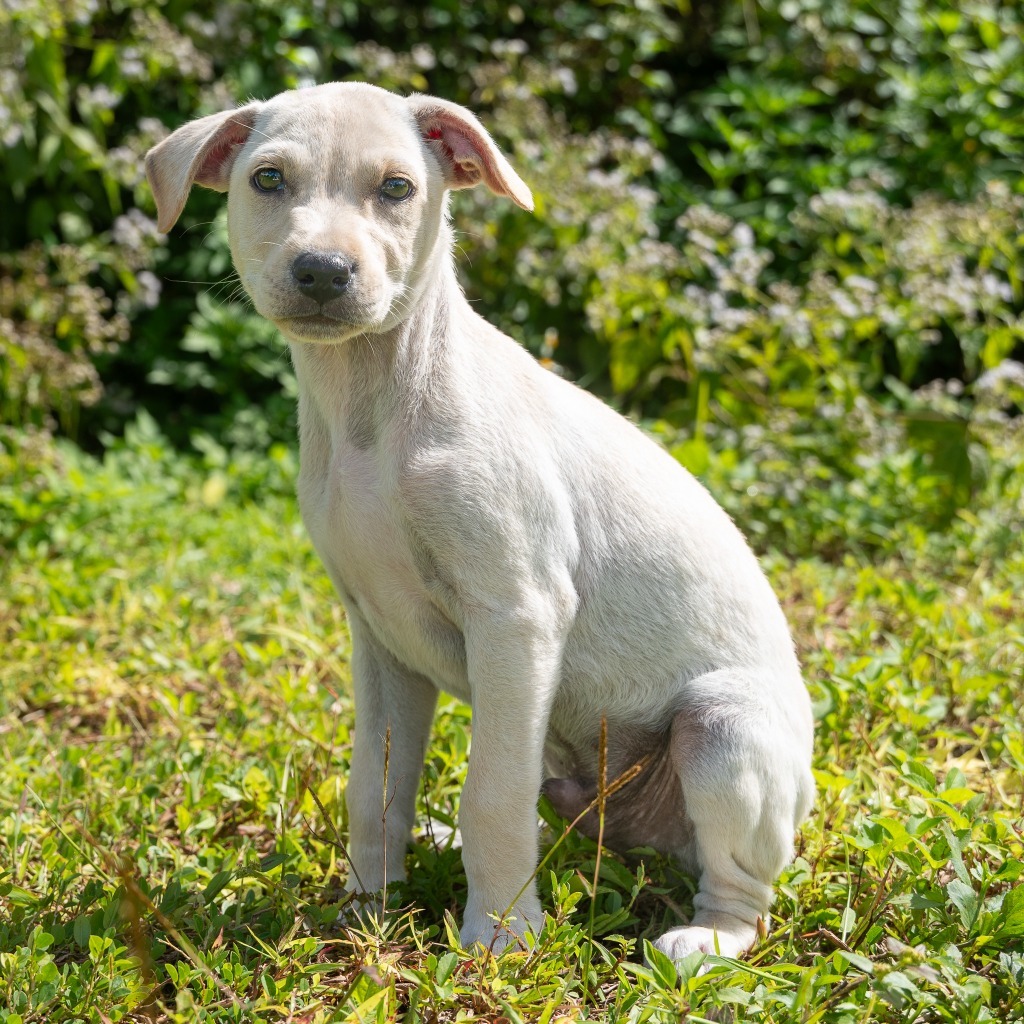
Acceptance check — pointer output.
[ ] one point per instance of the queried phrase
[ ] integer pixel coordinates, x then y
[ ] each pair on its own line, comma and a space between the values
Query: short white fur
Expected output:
497, 533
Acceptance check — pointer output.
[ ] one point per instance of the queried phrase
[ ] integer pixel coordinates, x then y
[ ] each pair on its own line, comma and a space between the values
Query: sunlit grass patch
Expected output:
176, 720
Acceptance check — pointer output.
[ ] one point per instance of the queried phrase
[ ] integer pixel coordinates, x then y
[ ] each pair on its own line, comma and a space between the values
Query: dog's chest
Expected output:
355, 516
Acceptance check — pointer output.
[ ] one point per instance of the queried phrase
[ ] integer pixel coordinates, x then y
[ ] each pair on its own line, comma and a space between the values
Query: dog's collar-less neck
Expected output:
354, 387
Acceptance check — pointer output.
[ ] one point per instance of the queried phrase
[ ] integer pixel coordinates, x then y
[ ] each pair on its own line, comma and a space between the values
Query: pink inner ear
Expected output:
215, 158
465, 149
467, 160
219, 155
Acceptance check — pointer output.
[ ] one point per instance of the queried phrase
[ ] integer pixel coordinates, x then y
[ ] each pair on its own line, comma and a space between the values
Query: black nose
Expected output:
322, 276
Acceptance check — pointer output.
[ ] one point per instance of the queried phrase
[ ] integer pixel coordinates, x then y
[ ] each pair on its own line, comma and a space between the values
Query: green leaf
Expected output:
47, 971
921, 775
18, 896
901, 838
694, 455
662, 966
862, 963
956, 854
445, 965
365, 997
966, 901
48, 148
1011, 914
214, 886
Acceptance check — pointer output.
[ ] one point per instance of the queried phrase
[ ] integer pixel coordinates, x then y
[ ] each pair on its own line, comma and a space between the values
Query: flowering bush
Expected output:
766, 228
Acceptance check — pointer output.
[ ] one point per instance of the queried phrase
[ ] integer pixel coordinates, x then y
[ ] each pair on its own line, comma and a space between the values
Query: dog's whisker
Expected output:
185, 280
250, 128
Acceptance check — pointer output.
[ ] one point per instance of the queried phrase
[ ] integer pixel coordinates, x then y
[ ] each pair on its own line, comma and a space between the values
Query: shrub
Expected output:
772, 221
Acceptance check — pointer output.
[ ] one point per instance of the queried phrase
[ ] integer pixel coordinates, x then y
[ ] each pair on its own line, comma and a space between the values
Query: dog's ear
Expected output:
467, 154
200, 152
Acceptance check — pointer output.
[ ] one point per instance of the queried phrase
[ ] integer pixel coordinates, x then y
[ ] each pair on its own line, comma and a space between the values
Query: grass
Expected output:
176, 727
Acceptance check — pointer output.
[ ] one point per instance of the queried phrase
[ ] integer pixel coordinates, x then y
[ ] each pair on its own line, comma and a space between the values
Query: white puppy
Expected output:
497, 533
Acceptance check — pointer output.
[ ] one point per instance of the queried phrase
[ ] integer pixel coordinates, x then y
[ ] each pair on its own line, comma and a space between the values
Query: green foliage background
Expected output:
785, 233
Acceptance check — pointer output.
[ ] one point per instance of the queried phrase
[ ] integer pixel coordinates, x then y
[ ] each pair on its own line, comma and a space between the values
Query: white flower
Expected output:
1009, 371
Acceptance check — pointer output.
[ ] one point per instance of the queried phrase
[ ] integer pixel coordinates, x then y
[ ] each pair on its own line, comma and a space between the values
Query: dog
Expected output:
498, 533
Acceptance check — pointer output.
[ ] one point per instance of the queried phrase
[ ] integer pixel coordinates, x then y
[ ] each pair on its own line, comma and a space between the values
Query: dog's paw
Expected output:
485, 930
730, 939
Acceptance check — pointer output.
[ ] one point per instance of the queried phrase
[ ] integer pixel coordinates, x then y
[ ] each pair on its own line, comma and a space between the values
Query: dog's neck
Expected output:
351, 389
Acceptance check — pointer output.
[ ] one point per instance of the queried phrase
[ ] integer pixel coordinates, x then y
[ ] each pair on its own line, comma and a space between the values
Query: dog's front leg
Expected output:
514, 662
394, 711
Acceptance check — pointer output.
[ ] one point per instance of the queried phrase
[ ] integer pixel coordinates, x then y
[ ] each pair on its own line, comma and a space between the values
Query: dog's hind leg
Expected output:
742, 750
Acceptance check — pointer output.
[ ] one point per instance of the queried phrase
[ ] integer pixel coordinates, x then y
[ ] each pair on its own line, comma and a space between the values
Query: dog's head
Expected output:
336, 197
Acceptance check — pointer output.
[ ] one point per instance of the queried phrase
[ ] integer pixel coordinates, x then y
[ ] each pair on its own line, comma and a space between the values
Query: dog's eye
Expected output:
268, 179
396, 188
